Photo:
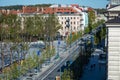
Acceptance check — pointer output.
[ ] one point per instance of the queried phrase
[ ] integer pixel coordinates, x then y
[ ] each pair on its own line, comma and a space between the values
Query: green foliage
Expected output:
41, 5
91, 19
73, 37
42, 25
15, 71
15, 34
100, 11
86, 30
1, 18
48, 53
51, 25
16, 7
67, 75
74, 71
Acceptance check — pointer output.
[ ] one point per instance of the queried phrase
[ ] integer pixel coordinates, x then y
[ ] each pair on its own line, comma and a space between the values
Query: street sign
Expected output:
38, 52
59, 41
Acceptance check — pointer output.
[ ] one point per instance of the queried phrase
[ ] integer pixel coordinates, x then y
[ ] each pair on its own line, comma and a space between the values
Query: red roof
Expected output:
49, 10
29, 9
45, 10
75, 5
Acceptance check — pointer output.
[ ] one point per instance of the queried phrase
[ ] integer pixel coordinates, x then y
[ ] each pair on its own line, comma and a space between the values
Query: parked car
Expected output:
102, 58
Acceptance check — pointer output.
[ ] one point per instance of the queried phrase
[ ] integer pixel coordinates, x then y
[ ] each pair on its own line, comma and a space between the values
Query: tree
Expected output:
39, 24
91, 19
51, 25
67, 75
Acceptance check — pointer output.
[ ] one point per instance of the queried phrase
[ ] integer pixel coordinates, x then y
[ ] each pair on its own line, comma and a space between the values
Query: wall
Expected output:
114, 53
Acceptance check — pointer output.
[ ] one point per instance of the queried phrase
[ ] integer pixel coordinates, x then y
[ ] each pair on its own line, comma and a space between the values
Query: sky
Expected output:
91, 3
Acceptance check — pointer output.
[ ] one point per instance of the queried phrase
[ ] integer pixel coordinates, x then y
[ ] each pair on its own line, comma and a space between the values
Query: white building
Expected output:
78, 21
113, 39
114, 2
113, 26
75, 21
78, 18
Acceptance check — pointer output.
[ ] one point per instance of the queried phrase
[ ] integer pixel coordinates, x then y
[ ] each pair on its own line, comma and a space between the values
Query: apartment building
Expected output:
77, 15
78, 18
75, 21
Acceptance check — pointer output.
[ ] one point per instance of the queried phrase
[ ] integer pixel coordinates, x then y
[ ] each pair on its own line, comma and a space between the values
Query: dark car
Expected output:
102, 58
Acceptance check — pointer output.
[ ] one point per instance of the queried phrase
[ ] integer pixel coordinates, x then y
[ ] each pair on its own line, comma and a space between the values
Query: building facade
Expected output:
113, 40
75, 21
78, 18
114, 2
113, 27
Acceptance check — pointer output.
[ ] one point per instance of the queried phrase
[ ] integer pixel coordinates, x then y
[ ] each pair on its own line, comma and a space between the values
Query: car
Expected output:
38, 44
102, 58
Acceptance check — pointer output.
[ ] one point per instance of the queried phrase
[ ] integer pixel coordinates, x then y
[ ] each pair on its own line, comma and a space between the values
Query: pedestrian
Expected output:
91, 67
0, 70
94, 65
99, 67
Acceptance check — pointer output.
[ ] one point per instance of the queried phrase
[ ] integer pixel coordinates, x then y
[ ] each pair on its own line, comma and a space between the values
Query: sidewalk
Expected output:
94, 70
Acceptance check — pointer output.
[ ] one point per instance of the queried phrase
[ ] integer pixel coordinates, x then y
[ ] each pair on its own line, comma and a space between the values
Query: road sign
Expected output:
38, 52
58, 41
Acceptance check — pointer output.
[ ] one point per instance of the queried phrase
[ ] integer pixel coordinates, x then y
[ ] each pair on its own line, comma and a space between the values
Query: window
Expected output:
74, 17
71, 17
71, 22
74, 22
74, 28
65, 22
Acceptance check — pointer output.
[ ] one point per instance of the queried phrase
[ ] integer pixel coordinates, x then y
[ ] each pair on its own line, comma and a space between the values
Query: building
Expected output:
114, 2
75, 21
78, 18
77, 15
113, 40
113, 11
113, 27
